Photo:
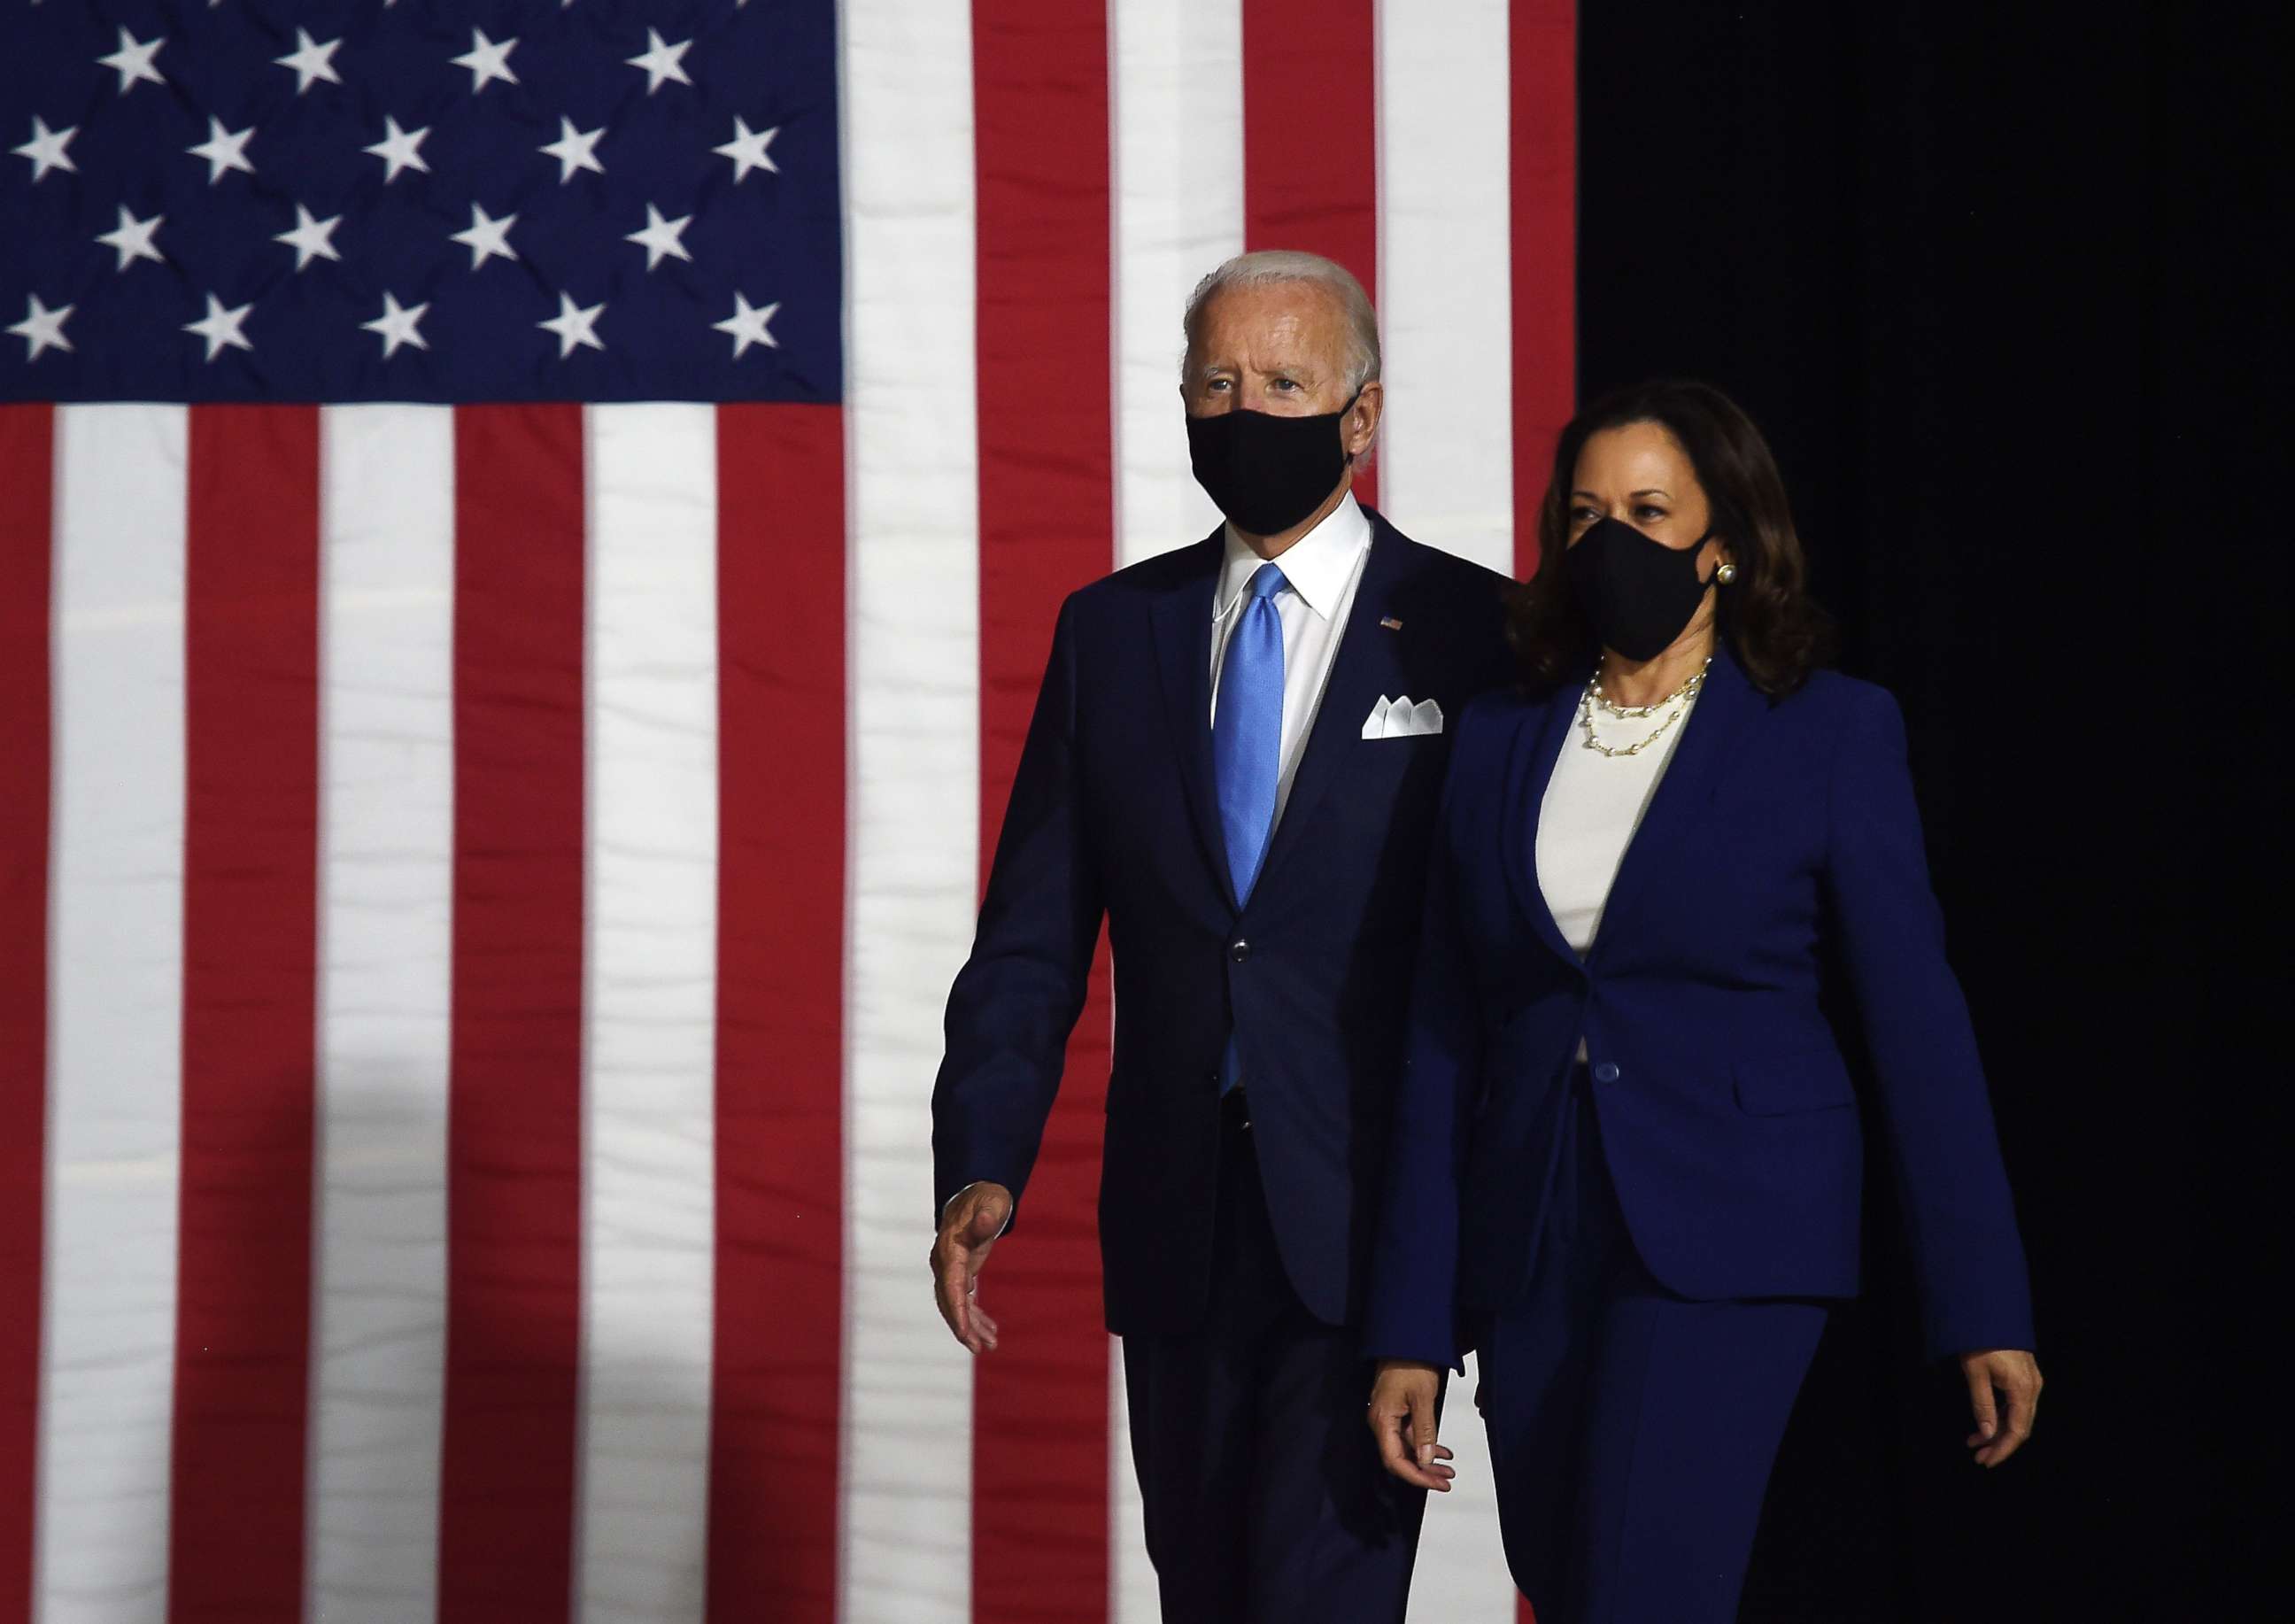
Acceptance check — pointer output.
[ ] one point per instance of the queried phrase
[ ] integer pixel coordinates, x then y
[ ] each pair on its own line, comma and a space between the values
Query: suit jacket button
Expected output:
1607, 1072
1239, 949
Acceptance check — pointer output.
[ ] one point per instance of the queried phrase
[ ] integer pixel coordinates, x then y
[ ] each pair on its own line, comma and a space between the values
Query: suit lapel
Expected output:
1540, 735
1728, 704
1364, 665
1183, 658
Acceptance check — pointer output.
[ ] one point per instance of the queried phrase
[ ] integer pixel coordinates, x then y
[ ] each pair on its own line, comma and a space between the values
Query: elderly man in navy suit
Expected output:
1235, 759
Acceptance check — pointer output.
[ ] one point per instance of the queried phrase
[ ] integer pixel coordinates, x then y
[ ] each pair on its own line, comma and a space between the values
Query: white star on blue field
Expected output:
419, 199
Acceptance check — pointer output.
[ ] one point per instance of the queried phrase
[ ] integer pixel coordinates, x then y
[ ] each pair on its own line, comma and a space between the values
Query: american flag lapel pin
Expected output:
1391, 622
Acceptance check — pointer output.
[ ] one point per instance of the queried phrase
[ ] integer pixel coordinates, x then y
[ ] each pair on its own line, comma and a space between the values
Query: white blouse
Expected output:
1594, 803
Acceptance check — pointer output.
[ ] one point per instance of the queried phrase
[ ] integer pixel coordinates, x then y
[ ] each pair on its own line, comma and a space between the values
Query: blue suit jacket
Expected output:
1727, 1116
1114, 811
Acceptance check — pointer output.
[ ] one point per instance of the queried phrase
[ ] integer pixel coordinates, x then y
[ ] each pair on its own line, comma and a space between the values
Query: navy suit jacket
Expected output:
1114, 811
1728, 1119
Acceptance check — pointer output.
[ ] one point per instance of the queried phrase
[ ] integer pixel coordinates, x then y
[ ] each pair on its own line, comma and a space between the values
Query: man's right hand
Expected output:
968, 1230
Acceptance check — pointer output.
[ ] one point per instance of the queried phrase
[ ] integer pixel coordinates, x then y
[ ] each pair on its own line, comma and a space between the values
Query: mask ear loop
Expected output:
1697, 547
1343, 410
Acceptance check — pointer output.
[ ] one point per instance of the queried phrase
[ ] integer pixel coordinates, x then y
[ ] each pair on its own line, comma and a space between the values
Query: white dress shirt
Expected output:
1323, 568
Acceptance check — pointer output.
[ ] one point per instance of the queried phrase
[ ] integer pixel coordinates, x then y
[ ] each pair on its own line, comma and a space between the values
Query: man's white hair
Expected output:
1273, 266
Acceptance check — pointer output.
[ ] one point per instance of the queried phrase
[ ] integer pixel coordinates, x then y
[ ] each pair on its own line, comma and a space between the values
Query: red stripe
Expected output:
780, 961
1542, 171
1041, 1404
1310, 137
1543, 166
26, 474
250, 1033
514, 1127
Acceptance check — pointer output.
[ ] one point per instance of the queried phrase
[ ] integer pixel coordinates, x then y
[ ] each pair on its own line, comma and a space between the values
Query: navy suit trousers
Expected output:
1631, 1430
1265, 1501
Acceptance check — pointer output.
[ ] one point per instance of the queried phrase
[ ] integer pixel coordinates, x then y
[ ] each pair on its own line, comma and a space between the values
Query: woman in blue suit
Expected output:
1628, 1156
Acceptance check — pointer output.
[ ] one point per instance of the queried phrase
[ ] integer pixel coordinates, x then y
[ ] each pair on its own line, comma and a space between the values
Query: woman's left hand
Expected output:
2014, 1375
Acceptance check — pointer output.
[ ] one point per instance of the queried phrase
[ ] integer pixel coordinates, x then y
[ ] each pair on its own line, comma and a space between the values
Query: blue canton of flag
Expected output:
419, 201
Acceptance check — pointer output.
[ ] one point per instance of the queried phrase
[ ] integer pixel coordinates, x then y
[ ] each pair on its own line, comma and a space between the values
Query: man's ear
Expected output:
1361, 425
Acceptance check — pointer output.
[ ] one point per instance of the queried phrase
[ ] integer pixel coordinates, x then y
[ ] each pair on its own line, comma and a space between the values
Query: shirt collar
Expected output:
1318, 565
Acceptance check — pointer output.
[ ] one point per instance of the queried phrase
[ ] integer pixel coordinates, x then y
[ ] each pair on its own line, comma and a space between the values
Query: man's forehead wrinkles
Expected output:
1286, 339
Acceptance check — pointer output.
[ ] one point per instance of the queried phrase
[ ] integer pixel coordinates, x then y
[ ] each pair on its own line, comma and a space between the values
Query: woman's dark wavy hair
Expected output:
1777, 630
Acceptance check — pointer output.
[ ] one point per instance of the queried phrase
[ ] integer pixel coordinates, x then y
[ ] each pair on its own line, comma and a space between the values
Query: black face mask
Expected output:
1638, 594
1267, 472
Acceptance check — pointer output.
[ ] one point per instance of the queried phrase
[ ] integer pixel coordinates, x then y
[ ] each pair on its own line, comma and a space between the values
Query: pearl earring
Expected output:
1726, 573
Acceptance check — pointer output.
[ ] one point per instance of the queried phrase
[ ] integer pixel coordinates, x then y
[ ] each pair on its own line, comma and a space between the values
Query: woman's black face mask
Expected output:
1638, 594
1267, 472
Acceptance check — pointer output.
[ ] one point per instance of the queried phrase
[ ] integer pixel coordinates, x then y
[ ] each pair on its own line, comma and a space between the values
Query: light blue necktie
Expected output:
1247, 745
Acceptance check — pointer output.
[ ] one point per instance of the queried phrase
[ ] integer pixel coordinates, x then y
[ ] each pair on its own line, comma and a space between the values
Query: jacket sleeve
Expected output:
1016, 999
1960, 1220
1411, 1310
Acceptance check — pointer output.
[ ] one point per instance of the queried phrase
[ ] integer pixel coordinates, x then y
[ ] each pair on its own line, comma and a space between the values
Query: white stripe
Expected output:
1176, 90
915, 720
1446, 474
1462, 1571
1132, 1576
648, 1133
1177, 87
116, 1073
1446, 471
386, 899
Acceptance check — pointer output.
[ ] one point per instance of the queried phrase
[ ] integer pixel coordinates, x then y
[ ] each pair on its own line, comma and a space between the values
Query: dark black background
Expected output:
1992, 278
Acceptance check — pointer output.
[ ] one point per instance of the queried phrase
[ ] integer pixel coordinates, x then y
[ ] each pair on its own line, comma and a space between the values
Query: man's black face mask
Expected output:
1267, 472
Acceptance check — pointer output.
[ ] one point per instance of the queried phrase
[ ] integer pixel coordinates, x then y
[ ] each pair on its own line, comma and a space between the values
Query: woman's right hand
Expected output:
1403, 1419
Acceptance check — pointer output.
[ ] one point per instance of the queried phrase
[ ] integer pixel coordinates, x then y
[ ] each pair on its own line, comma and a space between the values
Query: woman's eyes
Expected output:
1649, 513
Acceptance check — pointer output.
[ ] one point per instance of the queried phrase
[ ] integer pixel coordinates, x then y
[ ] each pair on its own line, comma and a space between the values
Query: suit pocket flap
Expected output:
1781, 1086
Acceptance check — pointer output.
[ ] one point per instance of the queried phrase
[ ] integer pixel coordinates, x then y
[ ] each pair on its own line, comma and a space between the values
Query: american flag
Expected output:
528, 532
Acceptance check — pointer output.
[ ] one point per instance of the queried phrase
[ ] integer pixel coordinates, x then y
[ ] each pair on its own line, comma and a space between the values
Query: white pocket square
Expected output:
1400, 719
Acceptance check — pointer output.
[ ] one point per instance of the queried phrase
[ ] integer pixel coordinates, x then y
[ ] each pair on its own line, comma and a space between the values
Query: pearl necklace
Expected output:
1679, 699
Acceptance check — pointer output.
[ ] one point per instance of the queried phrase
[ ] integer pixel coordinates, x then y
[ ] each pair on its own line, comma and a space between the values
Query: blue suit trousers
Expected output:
1264, 1497
1631, 1430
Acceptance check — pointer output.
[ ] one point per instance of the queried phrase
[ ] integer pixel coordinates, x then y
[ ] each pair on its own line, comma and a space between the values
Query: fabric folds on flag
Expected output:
531, 532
